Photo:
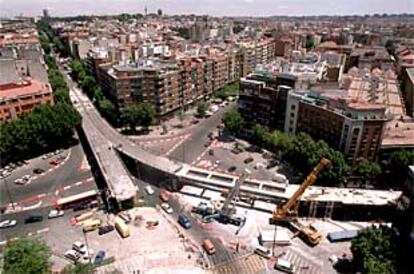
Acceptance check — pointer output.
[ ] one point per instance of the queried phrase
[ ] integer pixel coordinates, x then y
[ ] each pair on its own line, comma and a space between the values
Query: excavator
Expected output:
287, 214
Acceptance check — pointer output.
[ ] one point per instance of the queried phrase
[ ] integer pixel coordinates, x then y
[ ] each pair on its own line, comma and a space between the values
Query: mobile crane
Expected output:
287, 214
226, 213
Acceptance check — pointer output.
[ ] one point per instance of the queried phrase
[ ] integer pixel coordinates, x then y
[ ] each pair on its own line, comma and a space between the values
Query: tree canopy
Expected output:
34, 133
26, 256
366, 169
201, 109
233, 122
141, 114
374, 250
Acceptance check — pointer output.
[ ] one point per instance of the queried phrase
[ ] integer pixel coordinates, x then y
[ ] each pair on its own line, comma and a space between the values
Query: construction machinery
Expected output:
287, 214
225, 213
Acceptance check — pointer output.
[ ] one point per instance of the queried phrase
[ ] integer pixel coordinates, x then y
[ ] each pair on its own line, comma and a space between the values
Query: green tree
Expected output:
108, 110
278, 142
138, 114
26, 256
80, 269
201, 109
233, 121
399, 162
78, 70
259, 135
309, 43
367, 170
61, 96
88, 86
373, 251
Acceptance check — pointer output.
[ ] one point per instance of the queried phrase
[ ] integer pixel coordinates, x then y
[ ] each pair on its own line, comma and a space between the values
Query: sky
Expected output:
210, 7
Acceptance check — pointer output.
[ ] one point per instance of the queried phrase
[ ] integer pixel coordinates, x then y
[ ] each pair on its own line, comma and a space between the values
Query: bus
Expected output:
70, 201
122, 227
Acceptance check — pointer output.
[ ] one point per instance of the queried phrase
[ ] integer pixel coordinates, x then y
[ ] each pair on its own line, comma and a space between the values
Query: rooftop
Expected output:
28, 87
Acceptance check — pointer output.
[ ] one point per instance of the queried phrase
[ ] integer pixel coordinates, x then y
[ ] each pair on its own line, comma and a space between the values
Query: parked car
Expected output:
99, 257
216, 163
8, 223
33, 219
184, 221
232, 169
80, 247
54, 162
284, 266
105, 229
248, 160
167, 208
55, 213
38, 170
19, 181
262, 251
211, 152
149, 190
80, 207
72, 255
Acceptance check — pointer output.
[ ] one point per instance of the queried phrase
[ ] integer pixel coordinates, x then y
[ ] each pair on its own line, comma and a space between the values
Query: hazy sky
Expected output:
211, 7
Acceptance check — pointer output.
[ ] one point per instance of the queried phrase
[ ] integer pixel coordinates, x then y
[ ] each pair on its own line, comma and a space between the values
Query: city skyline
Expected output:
209, 7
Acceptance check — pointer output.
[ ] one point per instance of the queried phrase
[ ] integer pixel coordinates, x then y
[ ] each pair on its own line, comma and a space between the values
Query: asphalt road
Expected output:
194, 145
66, 174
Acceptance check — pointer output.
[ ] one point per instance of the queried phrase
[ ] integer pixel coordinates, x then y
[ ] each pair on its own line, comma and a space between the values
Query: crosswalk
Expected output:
141, 263
301, 264
244, 264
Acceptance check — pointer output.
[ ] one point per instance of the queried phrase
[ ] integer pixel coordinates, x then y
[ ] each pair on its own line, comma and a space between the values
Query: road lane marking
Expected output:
43, 230
67, 187
78, 183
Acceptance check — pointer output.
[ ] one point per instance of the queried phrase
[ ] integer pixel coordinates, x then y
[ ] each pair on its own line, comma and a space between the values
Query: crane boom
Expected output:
233, 192
286, 209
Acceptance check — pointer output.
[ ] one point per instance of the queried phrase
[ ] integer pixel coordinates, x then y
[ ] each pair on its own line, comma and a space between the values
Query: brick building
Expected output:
22, 97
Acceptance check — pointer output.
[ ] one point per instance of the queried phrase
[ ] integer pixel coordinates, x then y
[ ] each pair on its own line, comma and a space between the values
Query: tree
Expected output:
309, 43
108, 110
201, 109
159, 12
389, 45
88, 86
374, 250
399, 162
78, 70
366, 169
26, 256
80, 269
259, 134
233, 121
138, 114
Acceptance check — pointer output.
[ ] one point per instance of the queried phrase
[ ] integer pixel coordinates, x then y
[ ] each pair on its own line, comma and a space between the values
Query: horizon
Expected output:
229, 8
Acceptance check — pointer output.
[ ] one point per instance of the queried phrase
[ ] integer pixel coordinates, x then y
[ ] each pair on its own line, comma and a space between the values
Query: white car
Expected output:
7, 223
167, 208
80, 247
19, 181
72, 255
216, 163
149, 190
55, 213
27, 177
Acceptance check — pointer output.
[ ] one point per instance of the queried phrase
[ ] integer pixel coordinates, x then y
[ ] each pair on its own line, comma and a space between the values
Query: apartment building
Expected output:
354, 128
151, 81
262, 99
22, 97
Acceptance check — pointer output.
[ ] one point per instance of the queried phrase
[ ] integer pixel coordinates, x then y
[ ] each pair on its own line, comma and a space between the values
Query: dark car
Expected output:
231, 169
80, 207
248, 160
105, 229
99, 257
184, 221
38, 170
33, 219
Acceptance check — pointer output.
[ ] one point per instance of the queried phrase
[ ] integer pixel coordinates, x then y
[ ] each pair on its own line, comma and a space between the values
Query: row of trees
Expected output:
46, 127
139, 114
231, 89
302, 152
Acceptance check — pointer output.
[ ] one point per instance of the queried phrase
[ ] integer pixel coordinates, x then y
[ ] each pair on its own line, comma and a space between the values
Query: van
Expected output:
184, 221
263, 252
209, 247
91, 225
121, 227
284, 266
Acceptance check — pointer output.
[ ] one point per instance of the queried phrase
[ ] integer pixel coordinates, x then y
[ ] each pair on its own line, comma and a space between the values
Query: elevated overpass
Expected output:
108, 144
